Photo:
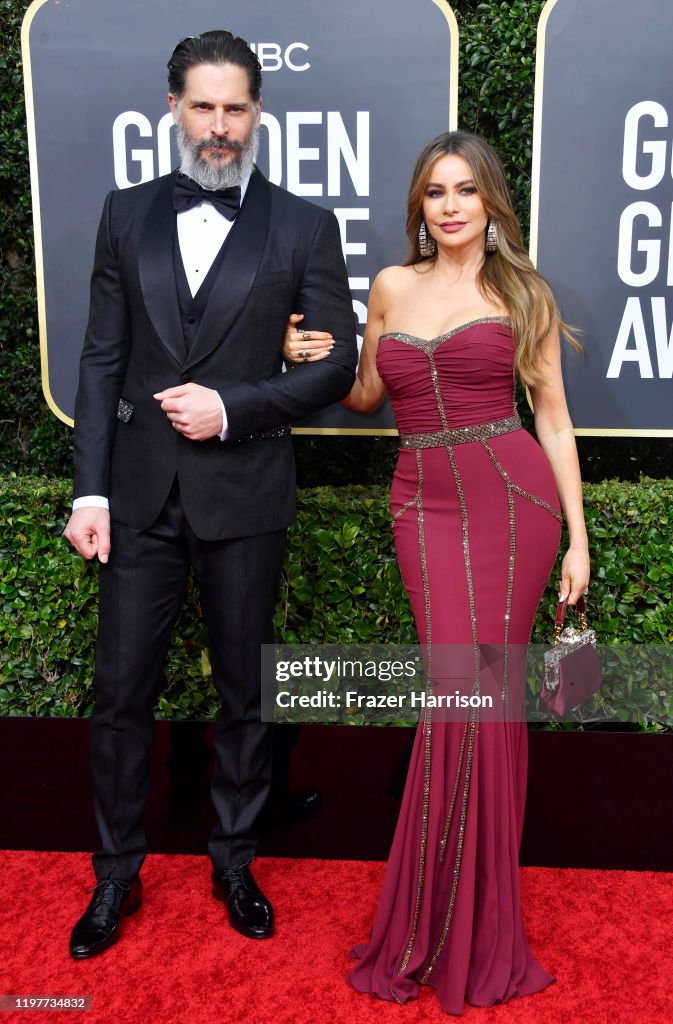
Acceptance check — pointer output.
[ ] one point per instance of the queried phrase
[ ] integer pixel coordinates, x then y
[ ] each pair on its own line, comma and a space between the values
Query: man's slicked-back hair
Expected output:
217, 47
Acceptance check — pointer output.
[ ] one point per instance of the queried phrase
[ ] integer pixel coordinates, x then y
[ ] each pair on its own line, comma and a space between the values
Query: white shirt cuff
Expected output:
91, 501
224, 433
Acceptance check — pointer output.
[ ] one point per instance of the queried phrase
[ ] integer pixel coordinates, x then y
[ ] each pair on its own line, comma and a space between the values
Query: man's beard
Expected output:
217, 175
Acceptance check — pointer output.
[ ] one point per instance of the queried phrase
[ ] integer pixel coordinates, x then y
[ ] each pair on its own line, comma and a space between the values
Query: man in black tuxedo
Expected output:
183, 457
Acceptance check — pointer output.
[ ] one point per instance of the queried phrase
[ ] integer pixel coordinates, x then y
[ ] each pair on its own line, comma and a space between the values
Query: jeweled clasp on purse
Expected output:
566, 640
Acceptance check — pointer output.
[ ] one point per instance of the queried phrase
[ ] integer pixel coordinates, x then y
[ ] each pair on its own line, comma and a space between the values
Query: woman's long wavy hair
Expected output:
506, 275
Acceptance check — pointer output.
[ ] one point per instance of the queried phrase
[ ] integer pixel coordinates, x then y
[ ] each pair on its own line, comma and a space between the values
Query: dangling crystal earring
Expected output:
426, 245
491, 236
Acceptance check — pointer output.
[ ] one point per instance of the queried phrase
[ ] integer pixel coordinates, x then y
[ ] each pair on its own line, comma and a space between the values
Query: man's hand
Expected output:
88, 531
193, 410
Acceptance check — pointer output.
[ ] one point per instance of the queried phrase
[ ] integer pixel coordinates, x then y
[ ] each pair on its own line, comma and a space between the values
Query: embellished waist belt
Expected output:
461, 435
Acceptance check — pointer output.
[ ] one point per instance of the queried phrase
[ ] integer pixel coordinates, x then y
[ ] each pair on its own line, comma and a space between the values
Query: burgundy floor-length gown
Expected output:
476, 523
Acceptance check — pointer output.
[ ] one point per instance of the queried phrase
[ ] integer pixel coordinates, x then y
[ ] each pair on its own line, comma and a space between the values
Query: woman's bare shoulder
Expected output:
391, 279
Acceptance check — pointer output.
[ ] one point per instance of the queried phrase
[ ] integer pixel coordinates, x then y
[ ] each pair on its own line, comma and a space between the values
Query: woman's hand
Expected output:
305, 346
575, 570
555, 434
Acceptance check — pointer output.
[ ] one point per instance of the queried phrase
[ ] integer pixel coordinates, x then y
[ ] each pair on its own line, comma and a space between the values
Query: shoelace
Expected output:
107, 891
236, 877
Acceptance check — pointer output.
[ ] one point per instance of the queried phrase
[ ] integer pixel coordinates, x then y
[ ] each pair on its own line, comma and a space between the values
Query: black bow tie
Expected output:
186, 194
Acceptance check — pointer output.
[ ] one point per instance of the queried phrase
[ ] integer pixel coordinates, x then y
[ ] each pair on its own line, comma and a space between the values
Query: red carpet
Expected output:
607, 936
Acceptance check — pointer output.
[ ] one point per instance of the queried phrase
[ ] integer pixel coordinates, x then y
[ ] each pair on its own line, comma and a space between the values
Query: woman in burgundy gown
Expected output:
476, 519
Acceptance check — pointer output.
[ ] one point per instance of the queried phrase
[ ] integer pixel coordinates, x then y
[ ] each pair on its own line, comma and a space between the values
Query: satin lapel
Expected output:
230, 291
157, 271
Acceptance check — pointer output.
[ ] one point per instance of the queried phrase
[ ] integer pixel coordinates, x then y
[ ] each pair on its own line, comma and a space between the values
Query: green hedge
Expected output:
340, 585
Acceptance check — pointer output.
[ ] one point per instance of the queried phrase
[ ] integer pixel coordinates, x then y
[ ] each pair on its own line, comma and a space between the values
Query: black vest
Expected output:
192, 308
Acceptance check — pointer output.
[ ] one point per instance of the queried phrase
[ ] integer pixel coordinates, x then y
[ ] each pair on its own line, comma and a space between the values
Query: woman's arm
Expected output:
555, 433
368, 391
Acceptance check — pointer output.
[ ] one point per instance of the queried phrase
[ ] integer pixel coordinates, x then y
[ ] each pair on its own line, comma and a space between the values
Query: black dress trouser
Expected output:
142, 589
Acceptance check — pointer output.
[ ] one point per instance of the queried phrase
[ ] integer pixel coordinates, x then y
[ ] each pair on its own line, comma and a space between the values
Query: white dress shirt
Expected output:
202, 231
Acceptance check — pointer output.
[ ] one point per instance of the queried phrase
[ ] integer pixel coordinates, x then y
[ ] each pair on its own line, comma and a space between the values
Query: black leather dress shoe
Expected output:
250, 913
99, 926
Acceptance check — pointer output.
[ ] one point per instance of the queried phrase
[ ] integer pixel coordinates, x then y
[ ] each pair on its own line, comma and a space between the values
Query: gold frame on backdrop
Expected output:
35, 198
29, 16
535, 212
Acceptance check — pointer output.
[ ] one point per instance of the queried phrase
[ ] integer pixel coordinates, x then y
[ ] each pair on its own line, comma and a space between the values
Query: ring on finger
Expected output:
304, 355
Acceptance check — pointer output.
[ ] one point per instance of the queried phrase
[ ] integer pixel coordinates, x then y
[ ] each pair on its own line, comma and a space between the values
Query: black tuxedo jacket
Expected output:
282, 255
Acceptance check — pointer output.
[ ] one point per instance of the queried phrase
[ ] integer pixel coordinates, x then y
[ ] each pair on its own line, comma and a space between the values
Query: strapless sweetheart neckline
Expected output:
502, 319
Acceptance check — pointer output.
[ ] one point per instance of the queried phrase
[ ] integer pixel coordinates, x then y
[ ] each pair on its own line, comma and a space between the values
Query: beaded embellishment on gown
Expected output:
476, 523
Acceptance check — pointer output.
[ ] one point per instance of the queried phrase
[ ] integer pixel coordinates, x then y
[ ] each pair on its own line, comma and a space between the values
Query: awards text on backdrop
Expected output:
645, 253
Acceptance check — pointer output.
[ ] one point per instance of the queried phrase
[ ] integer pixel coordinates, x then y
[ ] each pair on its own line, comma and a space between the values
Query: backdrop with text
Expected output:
602, 205
352, 92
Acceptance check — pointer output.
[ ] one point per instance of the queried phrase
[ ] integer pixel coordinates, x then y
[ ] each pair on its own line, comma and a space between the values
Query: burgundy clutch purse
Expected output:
572, 668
